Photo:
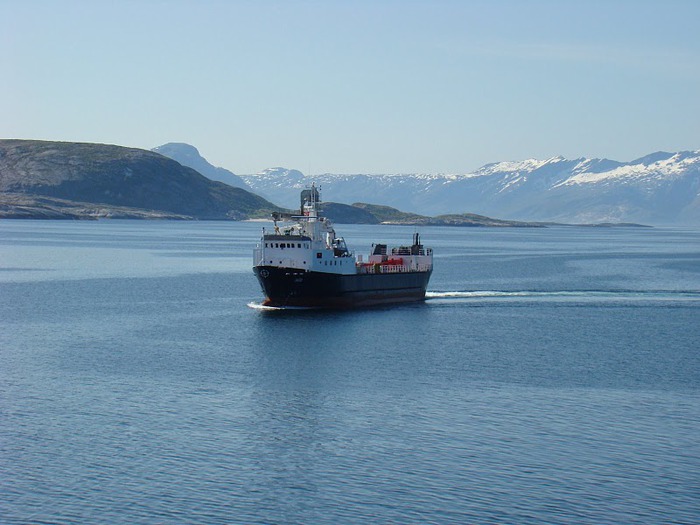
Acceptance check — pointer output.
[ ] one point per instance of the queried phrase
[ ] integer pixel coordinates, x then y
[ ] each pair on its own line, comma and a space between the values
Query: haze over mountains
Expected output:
660, 188
68, 180
79, 180
189, 156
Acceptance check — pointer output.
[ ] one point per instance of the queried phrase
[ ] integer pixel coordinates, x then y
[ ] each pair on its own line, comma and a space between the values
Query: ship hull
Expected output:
293, 287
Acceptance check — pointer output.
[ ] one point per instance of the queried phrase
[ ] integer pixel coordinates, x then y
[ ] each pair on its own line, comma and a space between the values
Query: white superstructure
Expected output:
310, 243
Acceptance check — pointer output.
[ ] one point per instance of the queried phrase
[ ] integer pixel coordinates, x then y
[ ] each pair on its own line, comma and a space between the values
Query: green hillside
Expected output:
115, 177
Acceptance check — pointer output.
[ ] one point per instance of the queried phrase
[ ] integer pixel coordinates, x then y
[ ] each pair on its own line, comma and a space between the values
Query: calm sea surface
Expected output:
552, 376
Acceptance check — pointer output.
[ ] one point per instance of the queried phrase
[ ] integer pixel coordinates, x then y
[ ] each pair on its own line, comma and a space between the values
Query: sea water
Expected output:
551, 376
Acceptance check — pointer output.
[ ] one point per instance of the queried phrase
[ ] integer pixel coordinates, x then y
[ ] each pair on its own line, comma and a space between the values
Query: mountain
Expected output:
660, 188
275, 184
69, 177
57, 179
189, 156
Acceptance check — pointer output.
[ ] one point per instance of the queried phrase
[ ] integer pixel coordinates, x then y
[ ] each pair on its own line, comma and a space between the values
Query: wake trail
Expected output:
669, 295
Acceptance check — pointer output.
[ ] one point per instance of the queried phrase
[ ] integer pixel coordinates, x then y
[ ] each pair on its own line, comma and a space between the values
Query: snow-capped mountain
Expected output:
660, 188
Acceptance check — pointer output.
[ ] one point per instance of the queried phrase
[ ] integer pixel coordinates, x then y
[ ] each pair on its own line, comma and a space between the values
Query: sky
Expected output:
360, 86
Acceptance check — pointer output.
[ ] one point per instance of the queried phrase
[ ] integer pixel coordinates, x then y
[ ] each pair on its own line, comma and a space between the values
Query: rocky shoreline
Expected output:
20, 206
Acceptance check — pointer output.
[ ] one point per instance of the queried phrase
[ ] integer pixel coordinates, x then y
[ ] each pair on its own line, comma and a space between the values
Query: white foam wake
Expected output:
475, 293
570, 294
260, 306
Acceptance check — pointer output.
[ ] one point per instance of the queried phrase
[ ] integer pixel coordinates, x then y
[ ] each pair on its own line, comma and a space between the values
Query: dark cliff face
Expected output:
114, 175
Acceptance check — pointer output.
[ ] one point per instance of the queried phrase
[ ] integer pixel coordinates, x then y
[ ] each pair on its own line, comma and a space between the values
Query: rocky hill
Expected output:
74, 177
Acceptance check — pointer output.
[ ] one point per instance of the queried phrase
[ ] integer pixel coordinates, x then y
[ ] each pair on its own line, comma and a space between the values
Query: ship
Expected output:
303, 263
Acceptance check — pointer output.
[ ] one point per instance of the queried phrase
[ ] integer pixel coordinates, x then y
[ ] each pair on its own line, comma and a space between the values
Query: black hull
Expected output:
293, 287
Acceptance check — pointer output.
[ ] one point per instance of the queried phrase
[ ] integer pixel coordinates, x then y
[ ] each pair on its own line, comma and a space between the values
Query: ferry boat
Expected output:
304, 263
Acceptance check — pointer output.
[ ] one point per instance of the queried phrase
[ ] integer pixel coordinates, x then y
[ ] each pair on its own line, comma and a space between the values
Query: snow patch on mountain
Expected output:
656, 168
524, 166
660, 188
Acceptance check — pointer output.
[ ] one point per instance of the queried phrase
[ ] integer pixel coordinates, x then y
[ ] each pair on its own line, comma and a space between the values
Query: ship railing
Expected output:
408, 250
393, 268
369, 268
390, 268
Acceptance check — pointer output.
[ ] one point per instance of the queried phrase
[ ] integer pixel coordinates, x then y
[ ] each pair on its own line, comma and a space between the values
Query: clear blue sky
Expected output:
356, 86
